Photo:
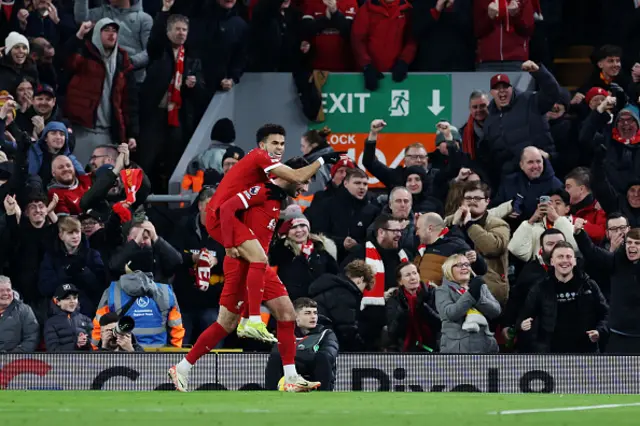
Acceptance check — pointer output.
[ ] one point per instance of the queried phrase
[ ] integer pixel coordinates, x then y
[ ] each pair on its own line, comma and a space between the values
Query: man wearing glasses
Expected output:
487, 235
414, 155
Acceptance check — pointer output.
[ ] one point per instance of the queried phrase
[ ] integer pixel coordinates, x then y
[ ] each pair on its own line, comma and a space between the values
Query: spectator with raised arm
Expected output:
414, 155
134, 27
102, 96
518, 119
46, 20
584, 205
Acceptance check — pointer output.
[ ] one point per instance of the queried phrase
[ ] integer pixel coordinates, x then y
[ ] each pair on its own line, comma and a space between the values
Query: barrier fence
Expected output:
355, 372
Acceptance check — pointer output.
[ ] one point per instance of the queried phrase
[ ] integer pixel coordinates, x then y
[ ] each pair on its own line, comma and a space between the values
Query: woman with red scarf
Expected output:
413, 324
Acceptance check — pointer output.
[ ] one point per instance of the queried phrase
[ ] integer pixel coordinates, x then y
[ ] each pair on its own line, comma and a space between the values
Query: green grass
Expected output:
98, 408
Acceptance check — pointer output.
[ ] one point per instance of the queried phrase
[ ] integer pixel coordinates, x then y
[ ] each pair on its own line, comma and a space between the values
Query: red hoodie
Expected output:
503, 39
596, 221
381, 34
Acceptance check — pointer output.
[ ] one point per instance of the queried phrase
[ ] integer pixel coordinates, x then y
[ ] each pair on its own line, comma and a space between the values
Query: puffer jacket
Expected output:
61, 331
19, 329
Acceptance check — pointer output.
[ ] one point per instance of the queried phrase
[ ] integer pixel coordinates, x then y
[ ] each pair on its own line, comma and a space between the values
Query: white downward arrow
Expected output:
435, 107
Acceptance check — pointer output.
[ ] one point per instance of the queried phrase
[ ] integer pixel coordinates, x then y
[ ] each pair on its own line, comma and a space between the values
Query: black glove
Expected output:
399, 71
333, 157
371, 77
274, 192
475, 286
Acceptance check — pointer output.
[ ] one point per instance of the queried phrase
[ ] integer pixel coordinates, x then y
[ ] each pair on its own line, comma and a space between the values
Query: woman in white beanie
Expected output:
16, 62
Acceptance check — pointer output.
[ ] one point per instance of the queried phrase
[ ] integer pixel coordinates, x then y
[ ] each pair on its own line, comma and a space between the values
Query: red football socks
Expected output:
287, 342
207, 341
255, 287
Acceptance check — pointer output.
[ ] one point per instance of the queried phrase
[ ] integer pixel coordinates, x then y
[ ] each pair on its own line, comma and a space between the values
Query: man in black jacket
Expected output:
565, 313
414, 155
347, 225
169, 103
623, 267
339, 297
316, 353
199, 302
517, 120
532, 273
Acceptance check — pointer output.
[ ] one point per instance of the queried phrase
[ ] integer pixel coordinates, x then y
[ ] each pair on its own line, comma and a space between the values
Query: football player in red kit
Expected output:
261, 205
252, 170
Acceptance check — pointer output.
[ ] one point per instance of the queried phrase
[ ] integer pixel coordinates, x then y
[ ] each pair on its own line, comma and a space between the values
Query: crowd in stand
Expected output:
519, 232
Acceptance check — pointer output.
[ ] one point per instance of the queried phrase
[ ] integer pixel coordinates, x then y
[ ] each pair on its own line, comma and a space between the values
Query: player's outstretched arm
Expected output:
305, 173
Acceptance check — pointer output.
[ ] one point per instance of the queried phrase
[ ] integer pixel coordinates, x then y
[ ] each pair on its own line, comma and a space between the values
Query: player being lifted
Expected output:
261, 205
253, 170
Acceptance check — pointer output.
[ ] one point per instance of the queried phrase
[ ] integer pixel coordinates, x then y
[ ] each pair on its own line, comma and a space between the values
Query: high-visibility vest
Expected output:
304, 201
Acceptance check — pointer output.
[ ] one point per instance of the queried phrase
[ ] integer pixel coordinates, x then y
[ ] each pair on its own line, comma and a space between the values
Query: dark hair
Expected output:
354, 172
108, 318
581, 175
359, 269
296, 162
31, 81
318, 138
382, 222
634, 233
269, 129
562, 244
400, 267
477, 186
550, 231
564, 195
304, 302
605, 51
615, 215
173, 19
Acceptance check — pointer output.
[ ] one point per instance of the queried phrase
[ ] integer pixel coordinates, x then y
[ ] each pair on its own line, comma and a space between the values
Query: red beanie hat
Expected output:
595, 91
344, 162
293, 222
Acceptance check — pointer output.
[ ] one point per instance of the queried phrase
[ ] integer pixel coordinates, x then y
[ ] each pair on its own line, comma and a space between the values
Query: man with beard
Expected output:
53, 142
566, 312
145, 247
382, 253
623, 268
583, 204
67, 186
487, 235
533, 272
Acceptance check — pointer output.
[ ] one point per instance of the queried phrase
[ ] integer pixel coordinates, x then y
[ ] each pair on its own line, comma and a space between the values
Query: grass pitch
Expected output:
101, 408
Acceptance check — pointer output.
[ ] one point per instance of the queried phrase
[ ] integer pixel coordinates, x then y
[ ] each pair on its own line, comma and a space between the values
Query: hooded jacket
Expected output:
423, 202
622, 159
39, 159
102, 92
134, 32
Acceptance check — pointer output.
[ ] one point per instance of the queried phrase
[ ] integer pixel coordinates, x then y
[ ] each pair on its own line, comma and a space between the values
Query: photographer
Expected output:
112, 341
316, 352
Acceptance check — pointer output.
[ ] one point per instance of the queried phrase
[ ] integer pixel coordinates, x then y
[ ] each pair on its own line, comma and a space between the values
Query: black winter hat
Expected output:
223, 131
233, 152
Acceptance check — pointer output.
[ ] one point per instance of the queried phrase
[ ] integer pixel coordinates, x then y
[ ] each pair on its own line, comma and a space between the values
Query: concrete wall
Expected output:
272, 98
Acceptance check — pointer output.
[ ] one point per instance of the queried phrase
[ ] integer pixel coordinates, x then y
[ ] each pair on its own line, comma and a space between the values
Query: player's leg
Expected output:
234, 274
280, 305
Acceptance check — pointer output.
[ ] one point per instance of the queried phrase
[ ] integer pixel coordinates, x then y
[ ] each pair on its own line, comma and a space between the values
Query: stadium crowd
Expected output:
520, 232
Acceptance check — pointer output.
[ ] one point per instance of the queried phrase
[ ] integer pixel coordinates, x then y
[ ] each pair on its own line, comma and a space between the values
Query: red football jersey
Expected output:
69, 197
252, 170
259, 217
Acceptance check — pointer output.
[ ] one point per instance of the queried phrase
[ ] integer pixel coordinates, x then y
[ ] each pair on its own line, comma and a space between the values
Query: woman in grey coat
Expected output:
465, 304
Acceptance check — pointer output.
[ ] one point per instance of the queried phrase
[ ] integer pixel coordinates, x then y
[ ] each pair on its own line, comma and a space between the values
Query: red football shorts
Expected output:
241, 233
234, 290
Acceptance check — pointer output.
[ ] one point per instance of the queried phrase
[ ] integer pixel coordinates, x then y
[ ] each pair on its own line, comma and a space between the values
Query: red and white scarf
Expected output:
375, 296
423, 247
174, 99
307, 248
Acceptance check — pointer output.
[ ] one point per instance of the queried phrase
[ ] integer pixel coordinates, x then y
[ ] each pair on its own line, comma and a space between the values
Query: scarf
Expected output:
131, 181
503, 15
7, 7
418, 332
549, 224
616, 136
307, 249
606, 79
423, 247
174, 99
469, 139
537, 10
375, 296
541, 260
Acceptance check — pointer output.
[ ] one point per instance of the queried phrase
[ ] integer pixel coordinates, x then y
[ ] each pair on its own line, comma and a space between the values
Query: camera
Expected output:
124, 325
